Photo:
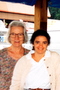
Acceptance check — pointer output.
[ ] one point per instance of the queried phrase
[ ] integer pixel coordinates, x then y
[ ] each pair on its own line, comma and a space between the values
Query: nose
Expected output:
40, 44
16, 36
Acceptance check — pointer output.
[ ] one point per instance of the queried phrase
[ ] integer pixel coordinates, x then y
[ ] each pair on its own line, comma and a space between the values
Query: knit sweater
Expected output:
24, 65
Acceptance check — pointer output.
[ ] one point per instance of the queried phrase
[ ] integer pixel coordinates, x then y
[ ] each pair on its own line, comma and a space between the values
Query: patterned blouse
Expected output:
7, 64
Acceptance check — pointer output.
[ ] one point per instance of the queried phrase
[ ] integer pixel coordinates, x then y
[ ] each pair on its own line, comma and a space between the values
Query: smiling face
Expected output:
17, 36
40, 44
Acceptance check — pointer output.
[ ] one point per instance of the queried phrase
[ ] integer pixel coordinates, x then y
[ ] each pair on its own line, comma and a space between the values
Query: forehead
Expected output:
16, 29
41, 38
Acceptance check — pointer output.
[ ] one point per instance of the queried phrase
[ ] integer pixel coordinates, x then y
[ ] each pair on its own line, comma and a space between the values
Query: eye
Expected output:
45, 42
20, 34
12, 33
36, 42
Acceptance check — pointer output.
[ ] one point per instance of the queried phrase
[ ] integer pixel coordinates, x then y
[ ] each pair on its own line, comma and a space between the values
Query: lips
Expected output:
16, 41
40, 48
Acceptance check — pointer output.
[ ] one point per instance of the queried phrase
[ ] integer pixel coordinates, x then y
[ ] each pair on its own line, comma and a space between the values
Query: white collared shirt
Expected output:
38, 76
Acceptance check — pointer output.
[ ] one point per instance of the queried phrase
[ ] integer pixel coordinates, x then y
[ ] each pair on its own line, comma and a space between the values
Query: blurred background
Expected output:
9, 12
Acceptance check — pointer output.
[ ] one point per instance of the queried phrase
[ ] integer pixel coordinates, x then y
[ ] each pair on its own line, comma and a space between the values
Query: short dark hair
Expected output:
39, 32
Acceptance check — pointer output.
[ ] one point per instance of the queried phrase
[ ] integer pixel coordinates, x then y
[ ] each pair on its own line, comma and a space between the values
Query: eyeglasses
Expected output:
14, 35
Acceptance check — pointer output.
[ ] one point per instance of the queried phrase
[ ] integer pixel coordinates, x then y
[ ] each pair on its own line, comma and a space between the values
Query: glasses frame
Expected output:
13, 35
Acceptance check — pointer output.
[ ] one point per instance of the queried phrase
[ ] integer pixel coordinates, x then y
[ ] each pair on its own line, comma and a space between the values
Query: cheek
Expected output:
22, 39
46, 46
35, 46
11, 39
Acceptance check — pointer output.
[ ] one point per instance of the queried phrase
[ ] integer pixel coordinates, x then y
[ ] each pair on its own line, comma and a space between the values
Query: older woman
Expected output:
10, 55
40, 68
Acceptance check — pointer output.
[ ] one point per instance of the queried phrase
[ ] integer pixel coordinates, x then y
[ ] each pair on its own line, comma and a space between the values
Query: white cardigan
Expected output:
23, 66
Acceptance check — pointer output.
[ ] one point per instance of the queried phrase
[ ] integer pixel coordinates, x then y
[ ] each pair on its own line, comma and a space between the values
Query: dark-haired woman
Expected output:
40, 68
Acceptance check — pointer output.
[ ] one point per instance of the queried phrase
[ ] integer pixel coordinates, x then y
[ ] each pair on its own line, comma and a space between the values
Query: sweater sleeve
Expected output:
15, 82
21, 69
58, 74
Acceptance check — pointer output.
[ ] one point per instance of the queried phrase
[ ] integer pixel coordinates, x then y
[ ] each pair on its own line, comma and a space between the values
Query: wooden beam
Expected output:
40, 18
15, 16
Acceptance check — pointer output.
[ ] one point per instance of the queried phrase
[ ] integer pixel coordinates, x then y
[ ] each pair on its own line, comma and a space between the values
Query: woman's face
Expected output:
16, 36
40, 44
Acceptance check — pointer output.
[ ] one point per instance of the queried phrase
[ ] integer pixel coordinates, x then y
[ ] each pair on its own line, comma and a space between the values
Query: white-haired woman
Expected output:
10, 55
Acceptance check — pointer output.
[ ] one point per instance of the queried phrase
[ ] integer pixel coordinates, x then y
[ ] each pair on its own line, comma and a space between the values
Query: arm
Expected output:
19, 74
21, 70
15, 83
58, 74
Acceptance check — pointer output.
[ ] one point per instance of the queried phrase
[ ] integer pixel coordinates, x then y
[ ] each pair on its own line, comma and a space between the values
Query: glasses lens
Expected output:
19, 34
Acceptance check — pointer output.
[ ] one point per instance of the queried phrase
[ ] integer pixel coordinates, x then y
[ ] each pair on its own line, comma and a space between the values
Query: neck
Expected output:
37, 57
16, 49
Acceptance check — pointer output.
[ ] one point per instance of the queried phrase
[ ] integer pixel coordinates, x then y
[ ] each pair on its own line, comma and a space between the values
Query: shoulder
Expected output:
23, 62
3, 51
55, 56
23, 59
3, 54
53, 53
26, 58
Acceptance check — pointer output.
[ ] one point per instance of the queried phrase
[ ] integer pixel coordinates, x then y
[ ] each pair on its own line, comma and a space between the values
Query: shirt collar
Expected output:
47, 53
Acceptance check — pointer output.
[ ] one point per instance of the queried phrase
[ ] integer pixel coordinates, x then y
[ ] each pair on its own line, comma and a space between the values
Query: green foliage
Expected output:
55, 13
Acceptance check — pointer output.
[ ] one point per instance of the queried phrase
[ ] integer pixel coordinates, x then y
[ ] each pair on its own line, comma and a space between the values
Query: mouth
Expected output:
40, 48
17, 41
